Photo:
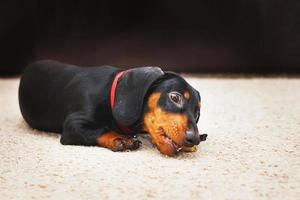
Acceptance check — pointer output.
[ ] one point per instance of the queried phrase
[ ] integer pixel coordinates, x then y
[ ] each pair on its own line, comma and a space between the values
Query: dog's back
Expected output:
50, 90
39, 93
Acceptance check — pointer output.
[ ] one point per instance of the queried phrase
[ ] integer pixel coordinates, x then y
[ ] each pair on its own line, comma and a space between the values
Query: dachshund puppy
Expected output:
105, 106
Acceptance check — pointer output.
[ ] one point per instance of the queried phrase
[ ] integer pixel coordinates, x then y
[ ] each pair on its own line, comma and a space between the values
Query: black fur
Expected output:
75, 101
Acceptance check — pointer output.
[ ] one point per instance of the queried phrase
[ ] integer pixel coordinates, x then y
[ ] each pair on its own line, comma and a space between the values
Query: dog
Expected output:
107, 106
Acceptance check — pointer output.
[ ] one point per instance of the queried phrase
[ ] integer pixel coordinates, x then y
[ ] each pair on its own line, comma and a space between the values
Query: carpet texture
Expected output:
252, 151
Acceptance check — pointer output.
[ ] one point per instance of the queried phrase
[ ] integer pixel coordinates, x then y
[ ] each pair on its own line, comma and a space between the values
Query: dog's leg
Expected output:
81, 130
117, 142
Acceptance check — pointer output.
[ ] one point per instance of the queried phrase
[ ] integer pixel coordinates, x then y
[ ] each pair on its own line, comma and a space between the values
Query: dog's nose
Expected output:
191, 138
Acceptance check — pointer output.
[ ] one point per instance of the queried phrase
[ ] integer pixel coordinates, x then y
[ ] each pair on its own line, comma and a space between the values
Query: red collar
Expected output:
125, 129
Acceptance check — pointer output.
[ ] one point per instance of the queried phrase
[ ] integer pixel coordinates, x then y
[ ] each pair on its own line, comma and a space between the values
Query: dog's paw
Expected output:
122, 144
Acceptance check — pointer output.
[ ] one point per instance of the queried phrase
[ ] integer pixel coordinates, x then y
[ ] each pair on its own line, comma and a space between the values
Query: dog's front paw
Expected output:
123, 143
132, 143
117, 142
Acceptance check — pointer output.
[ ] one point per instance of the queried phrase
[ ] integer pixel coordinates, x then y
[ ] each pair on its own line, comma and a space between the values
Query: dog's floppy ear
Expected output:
131, 91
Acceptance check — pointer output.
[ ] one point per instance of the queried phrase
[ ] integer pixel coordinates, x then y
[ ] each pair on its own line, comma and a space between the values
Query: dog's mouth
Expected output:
176, 146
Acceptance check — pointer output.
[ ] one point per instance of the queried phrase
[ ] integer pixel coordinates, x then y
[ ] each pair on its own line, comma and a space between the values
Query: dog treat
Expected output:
203, 137
190, 149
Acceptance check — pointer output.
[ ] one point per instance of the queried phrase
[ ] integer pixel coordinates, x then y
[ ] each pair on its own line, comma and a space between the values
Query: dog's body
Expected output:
82, 104
51, 93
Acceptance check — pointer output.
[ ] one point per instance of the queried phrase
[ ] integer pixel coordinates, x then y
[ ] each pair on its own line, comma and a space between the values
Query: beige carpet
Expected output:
252, 151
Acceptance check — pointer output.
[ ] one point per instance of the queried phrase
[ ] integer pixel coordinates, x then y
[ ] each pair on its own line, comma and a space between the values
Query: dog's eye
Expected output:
176, 98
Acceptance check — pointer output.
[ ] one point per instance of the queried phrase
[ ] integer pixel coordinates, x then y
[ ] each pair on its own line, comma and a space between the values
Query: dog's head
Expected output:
166, 105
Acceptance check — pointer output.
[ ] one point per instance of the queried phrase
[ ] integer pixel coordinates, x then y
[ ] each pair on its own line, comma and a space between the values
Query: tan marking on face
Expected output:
159, 123
199, 104
186, 95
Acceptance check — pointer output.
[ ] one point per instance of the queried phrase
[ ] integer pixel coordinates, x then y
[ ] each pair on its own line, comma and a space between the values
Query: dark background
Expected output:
244, 36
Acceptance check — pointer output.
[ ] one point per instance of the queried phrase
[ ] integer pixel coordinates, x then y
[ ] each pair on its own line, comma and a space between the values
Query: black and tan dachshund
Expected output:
106, 106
